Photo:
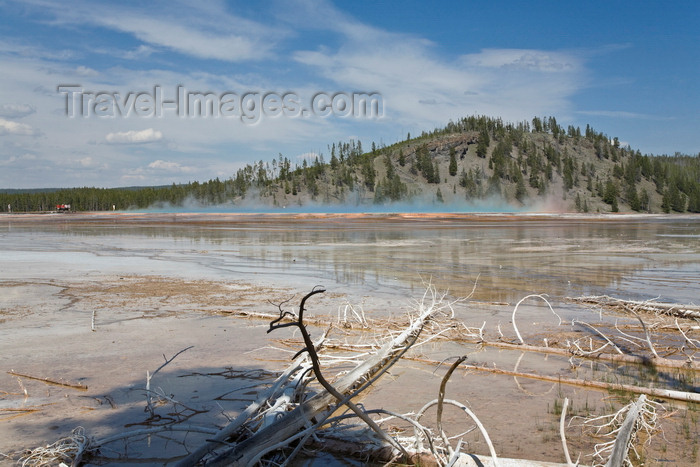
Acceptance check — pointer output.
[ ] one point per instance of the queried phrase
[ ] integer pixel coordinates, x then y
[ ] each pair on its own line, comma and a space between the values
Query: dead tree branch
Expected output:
149, 376
516, 309
356, 380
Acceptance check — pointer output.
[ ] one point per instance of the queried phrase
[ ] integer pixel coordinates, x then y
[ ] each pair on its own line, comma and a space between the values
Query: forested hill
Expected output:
538, 165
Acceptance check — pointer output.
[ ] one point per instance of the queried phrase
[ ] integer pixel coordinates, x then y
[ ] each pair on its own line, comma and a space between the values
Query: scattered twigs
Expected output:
295, 412
153, 431
646, 333
612, 344
349, 312
10, 413
695, 343
149, 402
55, 382
671, 309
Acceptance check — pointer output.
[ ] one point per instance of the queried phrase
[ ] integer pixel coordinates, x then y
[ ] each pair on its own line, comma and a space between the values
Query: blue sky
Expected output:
628, 69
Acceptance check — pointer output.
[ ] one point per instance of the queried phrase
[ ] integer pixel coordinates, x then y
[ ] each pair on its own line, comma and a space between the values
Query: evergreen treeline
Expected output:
474, 158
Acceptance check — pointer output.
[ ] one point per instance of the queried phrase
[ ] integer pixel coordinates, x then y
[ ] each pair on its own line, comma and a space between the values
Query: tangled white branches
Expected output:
69, 449
621, 430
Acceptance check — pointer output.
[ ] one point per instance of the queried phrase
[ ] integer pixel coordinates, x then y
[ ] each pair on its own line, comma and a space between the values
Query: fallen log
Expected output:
670, 309
655, 392
615, 358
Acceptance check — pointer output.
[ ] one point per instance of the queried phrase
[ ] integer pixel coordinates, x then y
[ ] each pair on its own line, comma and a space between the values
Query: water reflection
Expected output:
636, 260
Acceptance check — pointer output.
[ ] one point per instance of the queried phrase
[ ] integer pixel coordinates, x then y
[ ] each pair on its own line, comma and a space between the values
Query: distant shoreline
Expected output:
127, 217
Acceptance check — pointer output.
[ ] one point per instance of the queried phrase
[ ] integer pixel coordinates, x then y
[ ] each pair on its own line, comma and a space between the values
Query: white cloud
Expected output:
86, 161
85, 71
16, 110
8, 127
148, 135
169, 166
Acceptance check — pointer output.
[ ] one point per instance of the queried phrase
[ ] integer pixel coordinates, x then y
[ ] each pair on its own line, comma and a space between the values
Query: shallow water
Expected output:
637, 259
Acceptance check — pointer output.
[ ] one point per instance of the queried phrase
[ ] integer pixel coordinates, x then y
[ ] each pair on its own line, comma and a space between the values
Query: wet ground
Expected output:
151, 285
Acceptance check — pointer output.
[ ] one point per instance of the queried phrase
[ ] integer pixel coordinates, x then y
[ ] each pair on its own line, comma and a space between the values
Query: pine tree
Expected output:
520, 190
483, 146
453, 162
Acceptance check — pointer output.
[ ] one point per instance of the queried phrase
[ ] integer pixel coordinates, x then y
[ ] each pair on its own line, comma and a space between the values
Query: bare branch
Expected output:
517, 333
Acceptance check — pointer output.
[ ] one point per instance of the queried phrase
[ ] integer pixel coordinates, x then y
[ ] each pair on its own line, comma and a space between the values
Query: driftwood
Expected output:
289, 415
671, 309
229, 430
54, 382
290, 424
621, 428
616, 358
624, 437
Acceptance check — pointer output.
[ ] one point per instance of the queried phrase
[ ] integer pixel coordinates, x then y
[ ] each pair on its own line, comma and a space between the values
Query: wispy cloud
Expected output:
525, 60
18, 159
86, 71
16, 110
149, 135
423, 89
8, 127
203, 30
86, 162
622, 114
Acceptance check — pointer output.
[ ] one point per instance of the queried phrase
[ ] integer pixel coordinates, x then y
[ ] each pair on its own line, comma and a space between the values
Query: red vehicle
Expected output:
63, 207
